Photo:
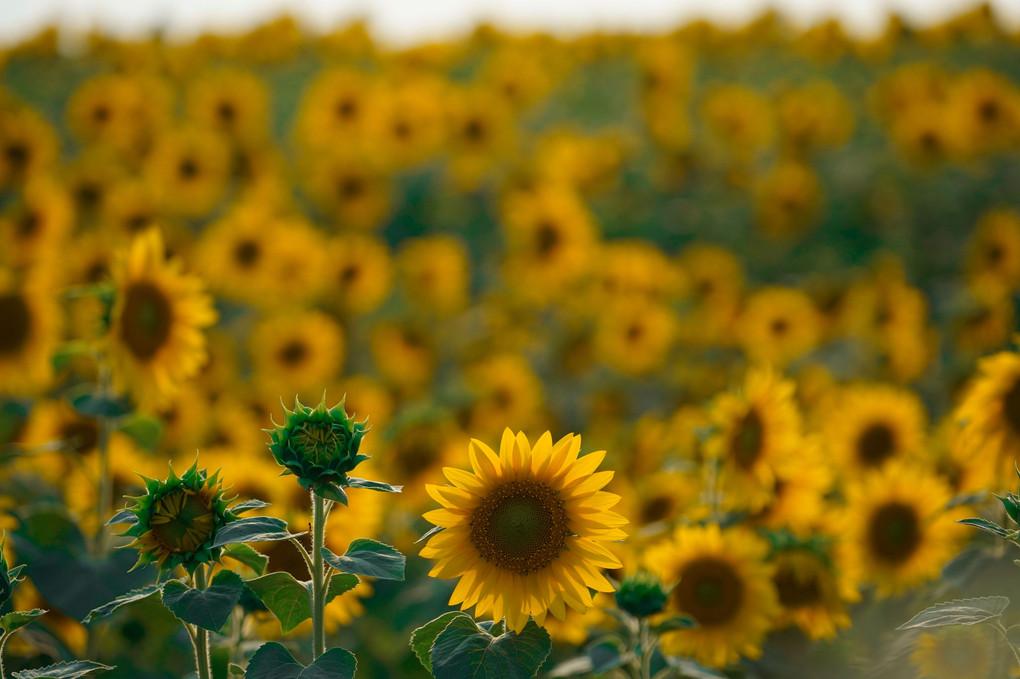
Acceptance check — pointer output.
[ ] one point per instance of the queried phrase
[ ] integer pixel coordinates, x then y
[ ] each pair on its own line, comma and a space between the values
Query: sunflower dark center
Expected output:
80, 435
930, 142
181, 521
349, 273
247, 252
17, 155
876, 444
780, 327
101, 113
87, 195
29, 224
474, 130
503, 398
656, 508
15, 323
402, 130
188, 169
415, 454
520, 526
1011, 407
994, 254
146, 320
137, 222
797, 590
748, 438
96, 271
710, 591
989, 111
635, 331
547, 239
894, 532
346, 109
351, 187
226, 112
293, 353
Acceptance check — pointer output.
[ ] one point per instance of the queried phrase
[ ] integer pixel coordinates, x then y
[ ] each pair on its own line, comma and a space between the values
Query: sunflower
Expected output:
756, 429
871, 425
56, 422
990, 412
721, 579
235, 253
993, 258
778, 325
984, 326
896, 530
924, 134
655, 501
28, 144
787, 199
986, 107
155, 339
191, 169
635, 339
955, 651
232, 101
634, 270
404, 354
714, 282
435, 273
420, 446
526, 532
351, 188
360, 271
812, 594
815, 115
956, 454
34, 229
336, 108
480, 134
298, 265
505, 389
29, 332
741, 119
410, 124
130, 207
297, 352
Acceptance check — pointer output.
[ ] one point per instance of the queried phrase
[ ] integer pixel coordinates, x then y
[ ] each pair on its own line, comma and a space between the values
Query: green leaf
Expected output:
273, 661
674, 623
18, 619
208, 608
87, 401
253, 529
958, 612
63, 670
1011, 505
146, 431
247, 506
355, 482
123, 600
123, 516
248, 556
986, 525
368, 557
68, 351
604, 656
288, 598
465, 650
423, 637
967, 499
235, 669
339, 584
1013, 635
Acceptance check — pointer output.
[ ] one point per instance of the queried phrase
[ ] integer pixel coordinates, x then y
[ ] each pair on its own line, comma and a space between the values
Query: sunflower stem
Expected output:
105, 499
201, 636
645, 639
997, 624
3, 642
318, 576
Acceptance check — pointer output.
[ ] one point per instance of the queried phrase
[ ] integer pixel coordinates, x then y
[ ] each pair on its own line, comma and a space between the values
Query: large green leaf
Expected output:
273, 661
18, 619
123, 600
986, 526
253, 529
248, 556
370, 558
423, 637
63, 670
146, 431
355, 482
465, 651
89, 402
959, 612
289, 599
208, 608
339, 584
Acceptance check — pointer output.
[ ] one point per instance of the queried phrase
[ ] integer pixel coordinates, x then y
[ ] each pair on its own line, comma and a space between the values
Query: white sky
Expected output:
403, 22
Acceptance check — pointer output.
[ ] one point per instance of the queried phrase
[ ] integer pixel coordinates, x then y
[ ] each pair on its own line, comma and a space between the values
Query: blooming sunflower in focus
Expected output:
723, 582
155, 337
525, 530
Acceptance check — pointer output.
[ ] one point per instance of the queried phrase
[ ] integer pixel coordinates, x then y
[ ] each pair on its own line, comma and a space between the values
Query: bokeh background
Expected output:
595, 219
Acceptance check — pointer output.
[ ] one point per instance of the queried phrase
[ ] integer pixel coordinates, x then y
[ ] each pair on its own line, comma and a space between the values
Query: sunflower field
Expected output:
688, 355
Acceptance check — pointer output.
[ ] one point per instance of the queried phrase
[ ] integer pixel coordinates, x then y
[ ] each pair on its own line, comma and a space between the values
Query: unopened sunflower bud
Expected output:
641, 595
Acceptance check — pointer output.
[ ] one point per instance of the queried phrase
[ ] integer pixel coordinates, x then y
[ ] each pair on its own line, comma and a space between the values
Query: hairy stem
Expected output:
318, 576
3, 642
646, 649
201, 636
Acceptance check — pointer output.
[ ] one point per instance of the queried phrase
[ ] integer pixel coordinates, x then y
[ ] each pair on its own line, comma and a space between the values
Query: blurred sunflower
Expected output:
235, 253
986, 107
155, 339
787, 199
871, 425
778, 325
756, 429
404, 354
410, 124
721, 579
635, 339
297, 352
28, 144
360, 271
990, 412
944, 653
435, 273
336, 107
741, 119
812, 595
351, 188
524, 531
814, 115
993, 258
34, 229
715, 284
231, 101
190, 169
480, 134
29, 331
505, 389
896, 530
129, 208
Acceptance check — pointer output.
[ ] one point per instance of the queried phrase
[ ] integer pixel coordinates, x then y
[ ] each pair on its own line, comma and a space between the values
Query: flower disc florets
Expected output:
641, 595
318, 445
177, 520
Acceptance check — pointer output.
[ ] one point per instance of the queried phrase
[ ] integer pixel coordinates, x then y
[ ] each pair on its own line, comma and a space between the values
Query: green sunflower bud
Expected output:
8, 578
177, 520
641, 595
318, 446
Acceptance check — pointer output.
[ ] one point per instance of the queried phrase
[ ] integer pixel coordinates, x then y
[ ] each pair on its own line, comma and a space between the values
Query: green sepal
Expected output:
289, 599
18, 619
273, 661
64, 670
370, 558
207, 608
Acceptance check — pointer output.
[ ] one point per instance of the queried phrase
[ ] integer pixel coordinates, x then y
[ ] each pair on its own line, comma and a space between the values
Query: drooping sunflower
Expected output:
990, 411
778, 325
757, 429
155, 339
813, 595
721, 579
896, 531
874, 424
525, 530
